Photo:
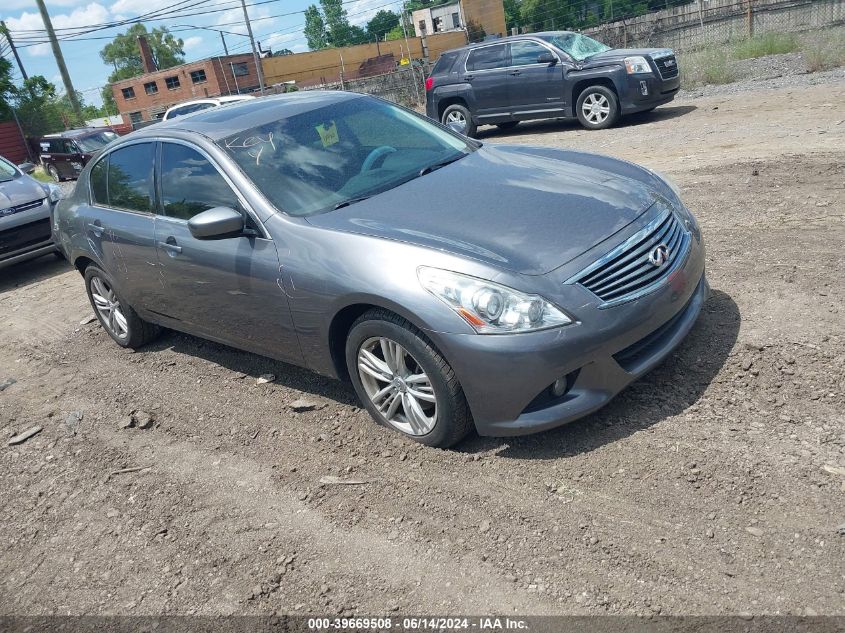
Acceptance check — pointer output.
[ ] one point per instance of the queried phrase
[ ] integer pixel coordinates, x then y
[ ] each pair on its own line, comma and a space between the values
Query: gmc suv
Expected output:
557, 74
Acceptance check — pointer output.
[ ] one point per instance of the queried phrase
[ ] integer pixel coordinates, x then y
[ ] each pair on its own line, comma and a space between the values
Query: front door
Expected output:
225, 289
535, 88
487, 73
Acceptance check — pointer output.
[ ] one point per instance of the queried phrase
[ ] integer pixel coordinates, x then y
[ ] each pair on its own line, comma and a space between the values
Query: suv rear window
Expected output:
444, 64
488, 57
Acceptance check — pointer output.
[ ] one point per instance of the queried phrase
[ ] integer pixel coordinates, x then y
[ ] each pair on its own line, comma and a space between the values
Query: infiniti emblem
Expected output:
659, 255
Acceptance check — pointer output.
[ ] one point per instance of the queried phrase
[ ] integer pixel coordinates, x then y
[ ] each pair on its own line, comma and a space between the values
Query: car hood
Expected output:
615, 54
18, 191
527, 210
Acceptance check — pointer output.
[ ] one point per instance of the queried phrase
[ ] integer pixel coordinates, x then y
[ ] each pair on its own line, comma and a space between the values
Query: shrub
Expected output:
823, 51
768, 44
708, 66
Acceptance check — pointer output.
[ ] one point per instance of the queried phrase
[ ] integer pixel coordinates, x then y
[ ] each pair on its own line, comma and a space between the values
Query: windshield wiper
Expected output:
430, 168
346, 203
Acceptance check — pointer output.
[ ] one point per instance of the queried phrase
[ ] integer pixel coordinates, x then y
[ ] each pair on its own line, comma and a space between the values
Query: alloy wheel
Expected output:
456, 121
54, 173
397, 386
596, 108
108, 307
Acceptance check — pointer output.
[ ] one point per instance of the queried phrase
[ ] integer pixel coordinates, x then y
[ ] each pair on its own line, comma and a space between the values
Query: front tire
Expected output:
54, 173
597, 108
404, 382
458, 119
116, 316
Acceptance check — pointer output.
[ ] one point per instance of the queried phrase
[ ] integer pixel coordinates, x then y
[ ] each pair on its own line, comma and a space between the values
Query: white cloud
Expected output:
291, 41
192, 42
362, 11
94, 13
134, 7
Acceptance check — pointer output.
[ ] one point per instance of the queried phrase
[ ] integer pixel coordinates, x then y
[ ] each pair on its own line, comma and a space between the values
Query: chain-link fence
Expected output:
709, 22
405, 85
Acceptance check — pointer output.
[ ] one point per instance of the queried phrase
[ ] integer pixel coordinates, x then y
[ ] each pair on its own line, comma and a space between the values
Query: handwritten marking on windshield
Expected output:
253, 144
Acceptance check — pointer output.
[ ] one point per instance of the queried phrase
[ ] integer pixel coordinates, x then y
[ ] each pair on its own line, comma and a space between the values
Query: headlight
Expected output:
636, 64
54, 192
488, 307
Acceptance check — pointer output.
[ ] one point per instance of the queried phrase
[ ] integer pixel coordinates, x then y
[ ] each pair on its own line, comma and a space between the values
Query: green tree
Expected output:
512, 17
381, 24
315, 29
7, 89
124, 54
475, 32
39, 109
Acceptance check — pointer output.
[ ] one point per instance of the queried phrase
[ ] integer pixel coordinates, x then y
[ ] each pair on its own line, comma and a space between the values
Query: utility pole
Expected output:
60, 60
410, 59
8, 35
258, 68
225, 48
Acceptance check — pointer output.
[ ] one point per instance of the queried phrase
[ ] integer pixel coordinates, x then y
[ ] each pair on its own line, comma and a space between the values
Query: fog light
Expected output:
643, 88
560, 387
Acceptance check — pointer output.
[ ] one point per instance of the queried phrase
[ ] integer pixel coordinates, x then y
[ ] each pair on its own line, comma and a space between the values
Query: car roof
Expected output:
230, 118
510, 38
78, 132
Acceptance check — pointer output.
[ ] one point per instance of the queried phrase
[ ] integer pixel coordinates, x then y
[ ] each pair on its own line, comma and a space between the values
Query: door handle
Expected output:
96, 228
469, 77
515, 72
170, 246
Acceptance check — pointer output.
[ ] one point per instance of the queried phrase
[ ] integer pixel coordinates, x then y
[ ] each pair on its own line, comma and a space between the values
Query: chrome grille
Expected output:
627, 271
21, 207
668, 66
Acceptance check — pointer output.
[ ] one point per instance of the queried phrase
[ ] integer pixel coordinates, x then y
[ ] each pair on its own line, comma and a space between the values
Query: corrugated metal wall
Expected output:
12, 145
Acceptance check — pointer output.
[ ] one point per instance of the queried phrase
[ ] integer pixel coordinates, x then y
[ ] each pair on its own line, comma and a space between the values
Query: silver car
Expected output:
25, 208
455, 285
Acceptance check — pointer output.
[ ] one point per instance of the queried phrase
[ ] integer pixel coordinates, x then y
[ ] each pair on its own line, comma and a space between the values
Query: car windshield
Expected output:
96, 141
577, 46
7, 171
336, 155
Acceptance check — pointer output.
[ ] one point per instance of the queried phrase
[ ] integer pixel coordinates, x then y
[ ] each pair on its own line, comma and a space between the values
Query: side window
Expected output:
444, 64
130, 177
57, 146
190, 184
98, 182
488, 57
526, 53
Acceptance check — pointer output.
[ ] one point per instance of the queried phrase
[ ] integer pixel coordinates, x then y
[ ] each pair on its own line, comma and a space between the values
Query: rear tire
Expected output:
116, 316
54, 173
458, 119
404, 382
507, 125
597, 108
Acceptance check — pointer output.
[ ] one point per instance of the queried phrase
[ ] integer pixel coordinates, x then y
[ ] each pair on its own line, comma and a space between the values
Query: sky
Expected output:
275, 23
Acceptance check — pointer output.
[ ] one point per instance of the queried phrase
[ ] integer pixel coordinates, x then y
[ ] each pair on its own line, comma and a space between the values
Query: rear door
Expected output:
535, 88
487, 72
227, 289
120, 224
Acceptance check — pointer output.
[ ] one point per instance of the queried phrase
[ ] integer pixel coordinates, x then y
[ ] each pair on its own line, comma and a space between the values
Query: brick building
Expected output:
148, 96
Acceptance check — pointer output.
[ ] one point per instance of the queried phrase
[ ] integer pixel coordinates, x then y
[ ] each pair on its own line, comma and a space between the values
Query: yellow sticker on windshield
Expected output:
328, 134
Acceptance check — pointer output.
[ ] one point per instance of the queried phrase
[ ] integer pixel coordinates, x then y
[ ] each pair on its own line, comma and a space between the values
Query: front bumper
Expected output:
502, 376
647, 91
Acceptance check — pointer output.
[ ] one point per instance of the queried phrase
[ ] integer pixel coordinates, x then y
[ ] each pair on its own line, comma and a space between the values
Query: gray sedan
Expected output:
455, 285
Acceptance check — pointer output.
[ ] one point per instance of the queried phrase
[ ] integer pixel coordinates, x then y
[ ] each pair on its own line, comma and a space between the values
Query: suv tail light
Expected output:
429, 83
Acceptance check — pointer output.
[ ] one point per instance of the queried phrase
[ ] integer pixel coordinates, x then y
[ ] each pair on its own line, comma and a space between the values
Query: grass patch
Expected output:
823, 51
41, 175
709, 66
768, 44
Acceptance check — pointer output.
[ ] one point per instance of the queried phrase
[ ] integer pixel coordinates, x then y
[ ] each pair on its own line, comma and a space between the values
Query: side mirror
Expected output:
216, 223
546, 58
26, 168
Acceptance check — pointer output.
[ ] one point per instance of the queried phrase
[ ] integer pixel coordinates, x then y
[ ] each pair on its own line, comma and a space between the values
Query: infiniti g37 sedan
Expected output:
455, 284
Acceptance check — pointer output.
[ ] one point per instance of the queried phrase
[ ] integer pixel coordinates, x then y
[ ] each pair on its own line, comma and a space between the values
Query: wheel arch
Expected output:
582, 84
451, 100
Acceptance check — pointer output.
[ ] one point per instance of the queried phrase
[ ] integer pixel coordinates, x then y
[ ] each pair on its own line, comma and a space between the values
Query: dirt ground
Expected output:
714, 485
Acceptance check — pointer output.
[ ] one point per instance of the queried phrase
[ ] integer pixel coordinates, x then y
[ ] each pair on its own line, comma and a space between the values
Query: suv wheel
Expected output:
116, 316
54, 173
597, 108
457, 118
404, 382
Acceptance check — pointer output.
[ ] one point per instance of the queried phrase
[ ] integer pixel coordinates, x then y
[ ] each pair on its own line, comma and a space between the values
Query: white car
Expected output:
201, 104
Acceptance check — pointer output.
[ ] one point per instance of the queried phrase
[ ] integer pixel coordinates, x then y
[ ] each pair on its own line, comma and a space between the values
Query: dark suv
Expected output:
557, 74
66, 153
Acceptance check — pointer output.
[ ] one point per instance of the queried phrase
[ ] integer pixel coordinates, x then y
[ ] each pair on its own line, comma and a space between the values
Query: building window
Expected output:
172, 82
150, 88
422, 26
128, 93
198, 76
240, 70
135, 117
456, 20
